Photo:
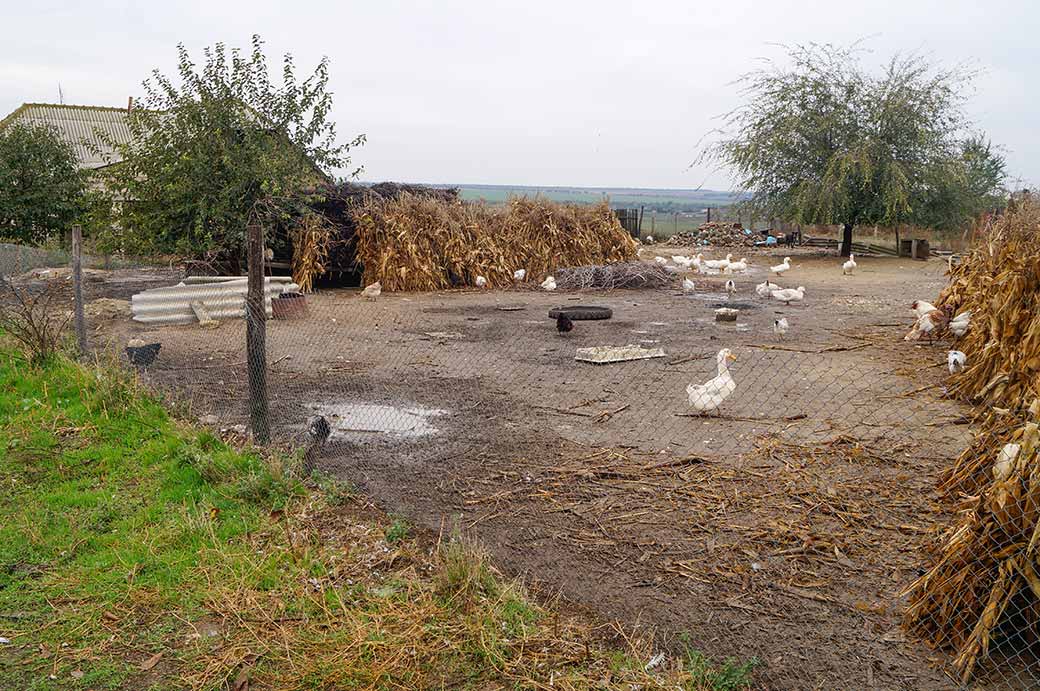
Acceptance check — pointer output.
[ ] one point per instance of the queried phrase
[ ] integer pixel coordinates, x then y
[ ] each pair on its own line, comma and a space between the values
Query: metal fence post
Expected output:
77, 288
256, 337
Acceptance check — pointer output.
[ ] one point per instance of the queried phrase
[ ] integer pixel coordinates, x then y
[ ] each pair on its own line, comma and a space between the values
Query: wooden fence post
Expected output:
77, 290
256, 337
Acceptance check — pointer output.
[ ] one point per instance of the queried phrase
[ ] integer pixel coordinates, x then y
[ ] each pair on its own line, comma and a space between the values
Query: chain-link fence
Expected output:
774, 505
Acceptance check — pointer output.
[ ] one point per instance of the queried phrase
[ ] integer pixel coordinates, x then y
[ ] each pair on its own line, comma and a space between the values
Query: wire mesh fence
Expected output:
757, 495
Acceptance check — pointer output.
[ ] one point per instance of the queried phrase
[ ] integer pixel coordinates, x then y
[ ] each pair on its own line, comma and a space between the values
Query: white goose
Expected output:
779, 269
707, 397
764, 290
849, 266
717, 263
788, 295
739, 266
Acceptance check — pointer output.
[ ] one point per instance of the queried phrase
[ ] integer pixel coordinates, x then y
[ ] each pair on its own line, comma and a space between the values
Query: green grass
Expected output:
110, 511
729, 675
397, 530
137, 552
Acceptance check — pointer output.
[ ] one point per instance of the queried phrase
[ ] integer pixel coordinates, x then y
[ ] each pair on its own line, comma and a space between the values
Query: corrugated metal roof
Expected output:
78, 125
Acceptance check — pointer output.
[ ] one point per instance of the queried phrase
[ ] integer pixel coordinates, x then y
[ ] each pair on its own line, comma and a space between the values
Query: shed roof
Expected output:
79, 126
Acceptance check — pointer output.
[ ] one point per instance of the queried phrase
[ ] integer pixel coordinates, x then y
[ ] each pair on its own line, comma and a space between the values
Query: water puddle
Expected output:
352, 420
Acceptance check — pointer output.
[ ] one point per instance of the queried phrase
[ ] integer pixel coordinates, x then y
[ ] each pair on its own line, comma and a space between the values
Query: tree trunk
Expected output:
846, 240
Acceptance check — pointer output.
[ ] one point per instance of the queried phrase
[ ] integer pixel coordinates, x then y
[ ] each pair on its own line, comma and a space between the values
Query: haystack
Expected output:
414, 243
984, 586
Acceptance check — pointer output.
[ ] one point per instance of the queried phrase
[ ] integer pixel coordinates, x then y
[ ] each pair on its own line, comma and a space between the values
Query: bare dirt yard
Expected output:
783, 529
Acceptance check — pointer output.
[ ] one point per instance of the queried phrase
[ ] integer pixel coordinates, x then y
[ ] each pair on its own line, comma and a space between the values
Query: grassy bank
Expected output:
138, 552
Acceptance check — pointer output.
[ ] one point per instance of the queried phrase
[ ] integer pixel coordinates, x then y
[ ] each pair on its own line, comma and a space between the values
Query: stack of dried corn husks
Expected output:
324, 240
423, 243
999, 281
982, 594
311, 240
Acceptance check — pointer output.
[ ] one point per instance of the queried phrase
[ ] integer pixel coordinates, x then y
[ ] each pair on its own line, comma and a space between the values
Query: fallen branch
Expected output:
788, 418
604, 416
830, 349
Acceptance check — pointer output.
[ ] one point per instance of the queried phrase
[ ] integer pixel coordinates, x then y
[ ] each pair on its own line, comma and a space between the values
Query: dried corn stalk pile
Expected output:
415, 243
999, 281
312, 238
984, 586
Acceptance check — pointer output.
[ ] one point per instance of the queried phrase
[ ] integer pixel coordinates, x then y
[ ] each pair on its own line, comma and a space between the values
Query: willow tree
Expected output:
824, 140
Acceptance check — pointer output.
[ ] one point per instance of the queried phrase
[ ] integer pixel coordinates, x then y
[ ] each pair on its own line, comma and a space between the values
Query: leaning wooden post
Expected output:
77, 290
256, 337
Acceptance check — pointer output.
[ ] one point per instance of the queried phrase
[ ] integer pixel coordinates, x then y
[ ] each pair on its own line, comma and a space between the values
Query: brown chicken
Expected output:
564, 324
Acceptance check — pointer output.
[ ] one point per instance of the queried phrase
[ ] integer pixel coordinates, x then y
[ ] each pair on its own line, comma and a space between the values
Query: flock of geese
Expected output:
708, 397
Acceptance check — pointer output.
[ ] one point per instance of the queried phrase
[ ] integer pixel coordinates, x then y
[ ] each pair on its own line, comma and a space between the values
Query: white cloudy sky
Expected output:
535, 92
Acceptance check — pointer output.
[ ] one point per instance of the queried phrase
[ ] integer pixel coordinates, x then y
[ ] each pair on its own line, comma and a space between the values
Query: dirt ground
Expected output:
783, 529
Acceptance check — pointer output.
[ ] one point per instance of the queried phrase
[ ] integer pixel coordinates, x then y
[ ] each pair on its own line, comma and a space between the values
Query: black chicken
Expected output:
319, 432
142, 354
564, 324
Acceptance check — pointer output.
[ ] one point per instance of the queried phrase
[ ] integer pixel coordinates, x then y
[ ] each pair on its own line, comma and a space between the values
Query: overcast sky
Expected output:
535, 92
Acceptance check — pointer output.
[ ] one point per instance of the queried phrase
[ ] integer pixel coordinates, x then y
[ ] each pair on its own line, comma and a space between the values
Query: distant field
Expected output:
661, 199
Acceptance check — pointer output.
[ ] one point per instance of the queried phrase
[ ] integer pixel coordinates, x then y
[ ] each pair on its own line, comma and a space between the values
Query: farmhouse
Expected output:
81, 127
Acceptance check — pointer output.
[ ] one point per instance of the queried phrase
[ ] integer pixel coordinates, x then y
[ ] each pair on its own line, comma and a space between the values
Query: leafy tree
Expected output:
970, 184
41, 186
825, 141
223, 141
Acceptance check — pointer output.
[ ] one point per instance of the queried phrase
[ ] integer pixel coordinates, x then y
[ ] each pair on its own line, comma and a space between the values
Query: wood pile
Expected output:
982, 593
421, 243
714, 234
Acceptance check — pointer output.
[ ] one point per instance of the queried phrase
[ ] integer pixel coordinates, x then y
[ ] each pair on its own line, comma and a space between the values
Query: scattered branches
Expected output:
34, 320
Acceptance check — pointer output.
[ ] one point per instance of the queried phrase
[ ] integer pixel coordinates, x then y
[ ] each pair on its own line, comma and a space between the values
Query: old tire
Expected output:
582, 312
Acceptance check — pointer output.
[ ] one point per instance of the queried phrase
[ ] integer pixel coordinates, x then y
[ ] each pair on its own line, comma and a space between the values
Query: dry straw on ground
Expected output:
413, 243
984, 586
635, 274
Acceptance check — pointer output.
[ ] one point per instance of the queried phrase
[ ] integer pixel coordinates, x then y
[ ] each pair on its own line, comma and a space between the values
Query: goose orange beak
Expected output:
731, 357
